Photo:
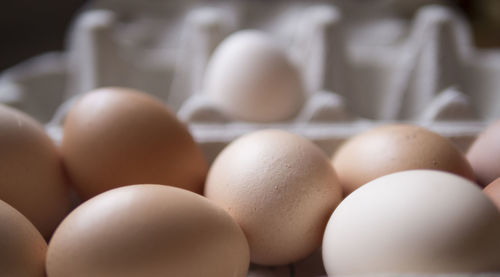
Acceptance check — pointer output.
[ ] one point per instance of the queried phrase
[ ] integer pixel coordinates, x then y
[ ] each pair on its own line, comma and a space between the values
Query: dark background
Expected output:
31, 27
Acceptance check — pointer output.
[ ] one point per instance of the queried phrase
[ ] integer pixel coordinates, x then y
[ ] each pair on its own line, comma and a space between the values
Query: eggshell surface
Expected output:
148, 230
250, 77
493, 191
31, 172
392, 148
484, 155
22, 247
417, 221
280, 188
117, 136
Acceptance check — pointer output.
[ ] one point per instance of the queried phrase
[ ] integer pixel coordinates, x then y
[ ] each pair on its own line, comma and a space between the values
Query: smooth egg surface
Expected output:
392, 148
280, 188
148, 230
116, 136
250, 77
22, 247
417, 221
32, 177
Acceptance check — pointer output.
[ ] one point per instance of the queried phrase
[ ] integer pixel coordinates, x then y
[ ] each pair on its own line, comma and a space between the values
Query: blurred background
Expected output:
29, 28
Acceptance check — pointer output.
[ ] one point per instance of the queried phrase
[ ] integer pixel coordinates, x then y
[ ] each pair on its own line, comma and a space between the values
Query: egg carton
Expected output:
362, 63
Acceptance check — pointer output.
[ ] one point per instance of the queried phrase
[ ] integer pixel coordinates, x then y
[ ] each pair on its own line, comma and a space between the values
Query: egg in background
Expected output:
280, 188
117, 136
148, 230
392, 148
251, 78
32, 176
22, 247
417, 221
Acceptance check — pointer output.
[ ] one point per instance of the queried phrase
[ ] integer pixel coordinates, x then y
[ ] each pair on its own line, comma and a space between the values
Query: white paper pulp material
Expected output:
362, 64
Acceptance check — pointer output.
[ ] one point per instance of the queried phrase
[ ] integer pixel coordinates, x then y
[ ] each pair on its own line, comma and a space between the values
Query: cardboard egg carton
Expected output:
361, 66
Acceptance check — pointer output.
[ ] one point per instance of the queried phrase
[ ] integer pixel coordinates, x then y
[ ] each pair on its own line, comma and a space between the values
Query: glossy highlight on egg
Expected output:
148, 230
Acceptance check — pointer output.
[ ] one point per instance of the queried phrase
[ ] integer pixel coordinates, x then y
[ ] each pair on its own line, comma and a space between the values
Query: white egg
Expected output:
251, 78
418, 221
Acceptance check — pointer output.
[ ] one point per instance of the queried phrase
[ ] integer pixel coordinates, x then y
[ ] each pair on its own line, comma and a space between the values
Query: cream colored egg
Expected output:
148, 230
117, 136
392, 148
250, 77
417, 221
22, 247
280, 188
32, 177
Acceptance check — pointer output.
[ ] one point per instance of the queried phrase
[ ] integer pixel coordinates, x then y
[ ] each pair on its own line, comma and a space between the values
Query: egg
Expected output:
493, 191
117, 136
484, 155
250, 77
392, 148
22, 247
417, 221
148, 230
280, 188
32, 177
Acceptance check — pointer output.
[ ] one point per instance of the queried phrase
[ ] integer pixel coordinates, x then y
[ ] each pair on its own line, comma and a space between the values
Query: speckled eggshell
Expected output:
417, 221
116, 136
392, 148
148, 230
493, 192
22, 247
32, 177
250, 77
280, 188
484, 155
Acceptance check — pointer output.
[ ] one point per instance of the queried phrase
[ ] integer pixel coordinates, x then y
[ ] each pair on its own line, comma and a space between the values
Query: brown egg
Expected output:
392, 148
280, 188
493, 192
484, 155
31, 173
148, 230
22, 247
116, 136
